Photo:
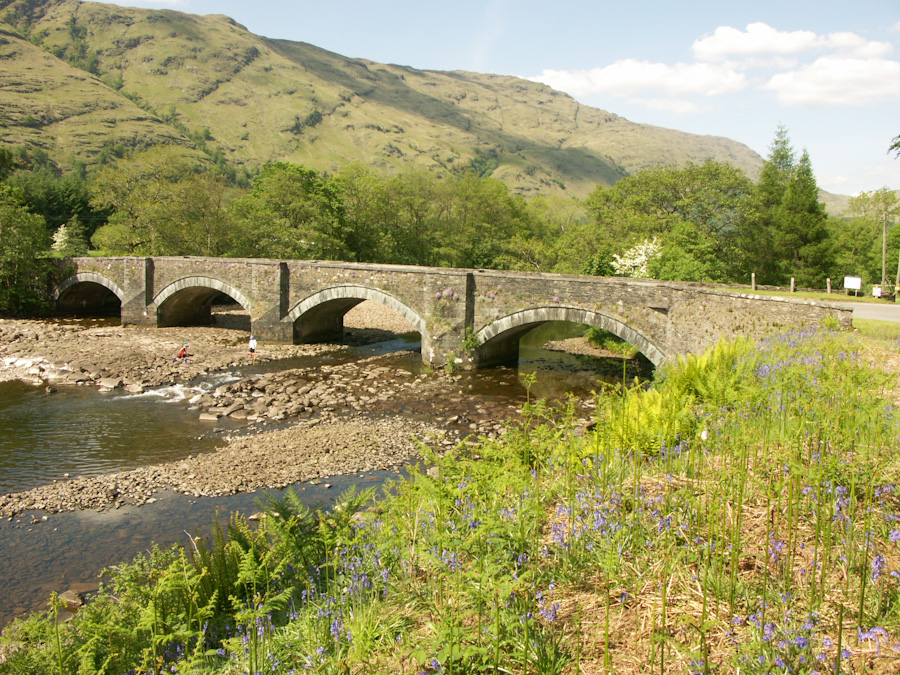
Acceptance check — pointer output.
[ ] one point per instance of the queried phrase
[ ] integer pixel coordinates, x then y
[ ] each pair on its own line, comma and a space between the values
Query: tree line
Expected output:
700, 222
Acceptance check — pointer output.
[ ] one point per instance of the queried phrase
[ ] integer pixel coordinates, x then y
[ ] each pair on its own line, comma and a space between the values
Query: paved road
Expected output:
880, 311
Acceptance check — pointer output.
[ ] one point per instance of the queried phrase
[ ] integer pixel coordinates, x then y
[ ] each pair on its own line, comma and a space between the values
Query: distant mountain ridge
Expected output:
206, 83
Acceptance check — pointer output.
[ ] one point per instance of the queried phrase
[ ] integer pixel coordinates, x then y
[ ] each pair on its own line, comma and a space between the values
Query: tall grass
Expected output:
740, 515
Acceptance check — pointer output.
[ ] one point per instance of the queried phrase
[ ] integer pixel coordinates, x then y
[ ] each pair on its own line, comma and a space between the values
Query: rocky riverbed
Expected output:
278, 428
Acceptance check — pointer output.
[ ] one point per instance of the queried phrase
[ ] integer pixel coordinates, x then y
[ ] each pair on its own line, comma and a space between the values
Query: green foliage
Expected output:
874, 216
161, 205
688, 254
24, 271
720, 376
697, 212
70, 239
292, 212
610, 342
748, 492
79, 52
645, 422
59, 199
7, 164
483, 164
802, 235
791, 238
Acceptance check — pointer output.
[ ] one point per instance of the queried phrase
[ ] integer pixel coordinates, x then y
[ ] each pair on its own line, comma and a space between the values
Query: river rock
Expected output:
73, 601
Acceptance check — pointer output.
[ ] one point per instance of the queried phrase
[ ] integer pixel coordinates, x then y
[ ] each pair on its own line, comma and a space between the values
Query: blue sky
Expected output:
828, 71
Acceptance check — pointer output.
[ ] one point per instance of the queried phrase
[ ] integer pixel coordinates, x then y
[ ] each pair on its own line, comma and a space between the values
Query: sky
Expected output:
828, 71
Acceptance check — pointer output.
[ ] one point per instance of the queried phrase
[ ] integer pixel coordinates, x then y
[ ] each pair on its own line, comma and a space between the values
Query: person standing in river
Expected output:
252, 347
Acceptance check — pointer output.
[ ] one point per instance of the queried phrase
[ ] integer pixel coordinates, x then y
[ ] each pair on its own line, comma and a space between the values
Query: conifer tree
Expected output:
760, 239
802, 234
791, 237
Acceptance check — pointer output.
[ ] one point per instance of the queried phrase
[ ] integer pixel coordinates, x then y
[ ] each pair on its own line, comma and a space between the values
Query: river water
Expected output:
79, 431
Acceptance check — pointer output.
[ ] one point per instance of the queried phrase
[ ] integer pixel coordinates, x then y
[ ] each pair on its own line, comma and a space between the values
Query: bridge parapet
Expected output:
473, 315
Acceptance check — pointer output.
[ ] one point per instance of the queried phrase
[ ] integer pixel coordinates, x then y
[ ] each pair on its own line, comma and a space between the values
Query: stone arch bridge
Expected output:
474, 315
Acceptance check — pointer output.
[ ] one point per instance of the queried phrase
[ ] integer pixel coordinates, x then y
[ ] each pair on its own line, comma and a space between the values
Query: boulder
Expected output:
73, 601
109, 382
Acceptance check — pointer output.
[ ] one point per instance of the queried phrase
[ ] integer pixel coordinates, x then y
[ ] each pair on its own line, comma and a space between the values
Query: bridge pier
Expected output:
267, 331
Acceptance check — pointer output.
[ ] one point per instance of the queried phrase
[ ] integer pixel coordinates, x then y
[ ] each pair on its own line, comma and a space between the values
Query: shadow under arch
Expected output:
320, 317
499, 340
88, 293
187, 302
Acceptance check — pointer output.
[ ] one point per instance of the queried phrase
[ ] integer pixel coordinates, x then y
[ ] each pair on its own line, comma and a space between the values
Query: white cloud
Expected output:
838, 81
848, 70
761, 39
628, 77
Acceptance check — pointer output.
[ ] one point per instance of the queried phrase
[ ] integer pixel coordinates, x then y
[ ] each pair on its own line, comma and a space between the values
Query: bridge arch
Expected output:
85, 291
320, 317
499, 339
188, 300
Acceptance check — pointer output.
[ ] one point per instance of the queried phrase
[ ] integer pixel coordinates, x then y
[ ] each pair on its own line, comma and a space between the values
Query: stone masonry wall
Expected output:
451, 306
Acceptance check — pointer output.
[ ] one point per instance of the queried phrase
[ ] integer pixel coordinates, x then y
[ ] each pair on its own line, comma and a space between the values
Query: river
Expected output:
47, 437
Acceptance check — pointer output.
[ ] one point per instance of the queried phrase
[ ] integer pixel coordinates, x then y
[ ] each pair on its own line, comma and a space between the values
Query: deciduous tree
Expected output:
24, 270
292, 212
162, 204
879, 210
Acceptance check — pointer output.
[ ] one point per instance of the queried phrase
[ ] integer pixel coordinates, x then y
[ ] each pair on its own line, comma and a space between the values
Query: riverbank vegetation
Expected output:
740, 513
706, 222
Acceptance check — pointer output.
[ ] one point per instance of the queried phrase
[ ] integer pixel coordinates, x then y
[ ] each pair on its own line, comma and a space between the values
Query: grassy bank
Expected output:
741, 515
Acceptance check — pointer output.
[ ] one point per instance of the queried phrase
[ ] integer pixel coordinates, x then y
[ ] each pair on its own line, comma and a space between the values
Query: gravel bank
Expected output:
311, 450
340, 419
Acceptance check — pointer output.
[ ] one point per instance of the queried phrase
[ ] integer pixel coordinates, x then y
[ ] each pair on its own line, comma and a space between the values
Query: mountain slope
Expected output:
206, 80
67, 113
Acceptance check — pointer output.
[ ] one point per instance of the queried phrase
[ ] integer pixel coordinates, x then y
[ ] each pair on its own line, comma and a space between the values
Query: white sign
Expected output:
853, 283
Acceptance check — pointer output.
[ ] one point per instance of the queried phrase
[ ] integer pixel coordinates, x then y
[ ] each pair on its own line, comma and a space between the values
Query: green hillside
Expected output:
78, 76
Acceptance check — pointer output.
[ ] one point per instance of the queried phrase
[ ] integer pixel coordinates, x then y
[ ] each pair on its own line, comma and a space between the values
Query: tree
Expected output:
59, 198
70, 239
292, 212
789, 238
880, 210
635, 262
475, 219
687, 254
7, 164
161, 205
895, 146
713, 200
801, 236
366, 215
24, 271
851, 244
758, 239
414, 232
